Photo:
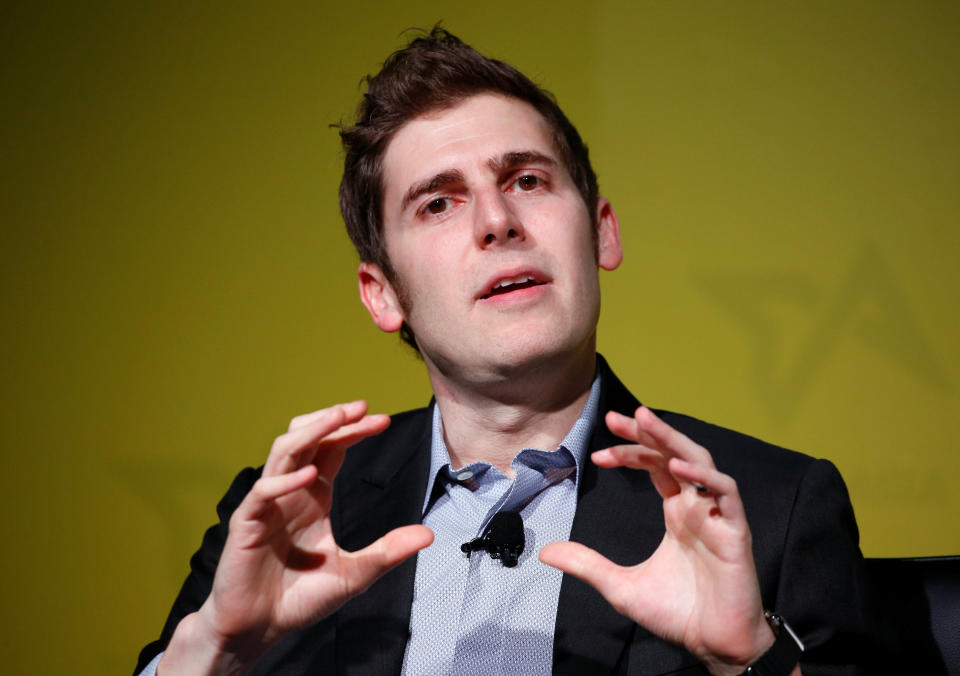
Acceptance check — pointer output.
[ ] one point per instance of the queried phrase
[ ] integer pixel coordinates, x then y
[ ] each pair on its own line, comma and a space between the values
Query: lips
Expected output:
505, 283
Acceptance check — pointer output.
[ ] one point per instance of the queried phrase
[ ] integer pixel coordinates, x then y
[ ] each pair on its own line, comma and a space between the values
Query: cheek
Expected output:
431, 278
566, 220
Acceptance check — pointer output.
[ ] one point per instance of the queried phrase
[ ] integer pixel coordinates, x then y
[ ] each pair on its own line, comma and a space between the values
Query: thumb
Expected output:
585, 564
380, 556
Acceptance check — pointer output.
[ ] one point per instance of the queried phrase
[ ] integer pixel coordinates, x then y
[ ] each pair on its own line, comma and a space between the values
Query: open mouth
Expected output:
509, 285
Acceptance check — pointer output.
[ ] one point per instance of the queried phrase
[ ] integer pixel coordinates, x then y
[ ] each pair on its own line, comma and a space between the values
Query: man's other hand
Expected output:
699, 588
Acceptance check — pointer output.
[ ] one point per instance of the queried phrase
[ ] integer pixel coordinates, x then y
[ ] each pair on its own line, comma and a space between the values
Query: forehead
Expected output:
463, 137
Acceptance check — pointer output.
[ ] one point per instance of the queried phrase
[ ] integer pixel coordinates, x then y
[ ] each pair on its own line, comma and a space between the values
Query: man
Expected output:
473, 205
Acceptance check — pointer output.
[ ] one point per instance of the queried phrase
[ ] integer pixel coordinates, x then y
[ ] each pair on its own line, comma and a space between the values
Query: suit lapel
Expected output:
380, 487
620, 515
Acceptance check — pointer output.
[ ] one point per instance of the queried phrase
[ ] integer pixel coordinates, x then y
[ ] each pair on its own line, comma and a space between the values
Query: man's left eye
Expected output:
438, 206
528, 182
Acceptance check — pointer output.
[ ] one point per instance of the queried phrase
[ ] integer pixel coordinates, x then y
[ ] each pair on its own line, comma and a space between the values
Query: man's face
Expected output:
490, 240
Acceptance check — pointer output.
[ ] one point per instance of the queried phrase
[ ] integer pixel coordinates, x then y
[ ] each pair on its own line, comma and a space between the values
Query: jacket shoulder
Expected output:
735, 453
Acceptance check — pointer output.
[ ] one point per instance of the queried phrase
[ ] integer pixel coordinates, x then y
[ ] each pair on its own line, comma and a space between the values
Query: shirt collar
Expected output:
576, 442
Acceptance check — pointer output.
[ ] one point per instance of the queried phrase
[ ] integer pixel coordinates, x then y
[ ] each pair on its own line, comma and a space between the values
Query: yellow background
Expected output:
176, 282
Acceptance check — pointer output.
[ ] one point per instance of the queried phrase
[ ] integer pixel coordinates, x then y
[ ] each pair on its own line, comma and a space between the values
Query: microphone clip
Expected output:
502, 539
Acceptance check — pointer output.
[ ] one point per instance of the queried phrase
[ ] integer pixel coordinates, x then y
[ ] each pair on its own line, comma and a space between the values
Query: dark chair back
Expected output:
921, 599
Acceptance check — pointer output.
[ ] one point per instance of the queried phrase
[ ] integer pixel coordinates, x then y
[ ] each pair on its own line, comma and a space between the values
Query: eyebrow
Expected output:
431, 184
518, 158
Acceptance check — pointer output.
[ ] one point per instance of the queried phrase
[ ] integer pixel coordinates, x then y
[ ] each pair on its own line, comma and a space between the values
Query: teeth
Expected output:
514, 280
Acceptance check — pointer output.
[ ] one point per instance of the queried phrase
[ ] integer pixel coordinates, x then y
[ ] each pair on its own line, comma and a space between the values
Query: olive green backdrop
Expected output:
176, 282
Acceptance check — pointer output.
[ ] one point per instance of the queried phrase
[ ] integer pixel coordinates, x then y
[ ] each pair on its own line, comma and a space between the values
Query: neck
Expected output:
531, 406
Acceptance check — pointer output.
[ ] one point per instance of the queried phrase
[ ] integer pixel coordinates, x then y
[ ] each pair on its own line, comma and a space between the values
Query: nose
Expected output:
496, 221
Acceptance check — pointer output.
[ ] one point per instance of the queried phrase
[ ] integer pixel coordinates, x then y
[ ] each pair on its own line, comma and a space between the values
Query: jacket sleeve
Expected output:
203, 565
823, 590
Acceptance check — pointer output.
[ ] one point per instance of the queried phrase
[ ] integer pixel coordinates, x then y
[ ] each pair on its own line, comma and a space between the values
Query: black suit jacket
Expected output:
805, 544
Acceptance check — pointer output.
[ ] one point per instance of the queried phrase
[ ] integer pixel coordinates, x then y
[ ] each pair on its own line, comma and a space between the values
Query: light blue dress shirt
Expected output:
473, 615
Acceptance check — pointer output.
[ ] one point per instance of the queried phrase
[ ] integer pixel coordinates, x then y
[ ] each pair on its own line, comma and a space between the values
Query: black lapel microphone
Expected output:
501, 539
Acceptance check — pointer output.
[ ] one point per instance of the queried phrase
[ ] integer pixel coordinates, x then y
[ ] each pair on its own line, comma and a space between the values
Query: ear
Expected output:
379, 298
609, 249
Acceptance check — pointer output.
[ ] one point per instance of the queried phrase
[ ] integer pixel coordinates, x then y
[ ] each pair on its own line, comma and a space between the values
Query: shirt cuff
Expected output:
151, 669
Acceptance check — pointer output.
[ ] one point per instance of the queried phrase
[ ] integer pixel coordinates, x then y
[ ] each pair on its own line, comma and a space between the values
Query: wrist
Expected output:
739, 655
196, 649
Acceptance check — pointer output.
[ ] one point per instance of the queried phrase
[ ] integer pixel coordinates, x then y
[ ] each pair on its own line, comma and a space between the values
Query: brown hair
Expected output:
435, 71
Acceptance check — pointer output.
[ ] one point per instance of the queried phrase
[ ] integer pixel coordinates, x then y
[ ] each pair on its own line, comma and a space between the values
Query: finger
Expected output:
350, 434
669, 440
309, 418
633, 456
626, 427
622, 425
365, 566
288, 450
584, 563
328, 454
640, 457
718, 486
268, 489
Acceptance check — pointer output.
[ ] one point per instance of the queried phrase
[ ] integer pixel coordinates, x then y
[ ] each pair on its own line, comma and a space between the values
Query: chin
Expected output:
512, 350
547, 351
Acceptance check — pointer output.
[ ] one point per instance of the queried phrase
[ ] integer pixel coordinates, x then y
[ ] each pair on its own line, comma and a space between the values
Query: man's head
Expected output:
435, 72
492, 245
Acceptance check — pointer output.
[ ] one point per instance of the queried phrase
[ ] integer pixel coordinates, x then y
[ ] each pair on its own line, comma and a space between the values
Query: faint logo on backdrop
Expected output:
865, 304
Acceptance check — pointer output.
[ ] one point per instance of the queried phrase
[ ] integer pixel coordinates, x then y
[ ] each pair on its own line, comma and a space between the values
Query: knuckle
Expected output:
259, 489
234, 518
279, 442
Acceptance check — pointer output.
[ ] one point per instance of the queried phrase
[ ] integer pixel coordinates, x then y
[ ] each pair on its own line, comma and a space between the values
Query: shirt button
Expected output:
464, 475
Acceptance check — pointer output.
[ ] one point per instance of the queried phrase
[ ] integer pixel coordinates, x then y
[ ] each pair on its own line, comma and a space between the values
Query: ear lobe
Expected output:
609, 249
379, 298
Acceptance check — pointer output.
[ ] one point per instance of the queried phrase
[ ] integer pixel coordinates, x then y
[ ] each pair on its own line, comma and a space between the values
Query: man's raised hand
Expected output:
281, 569
699, 588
